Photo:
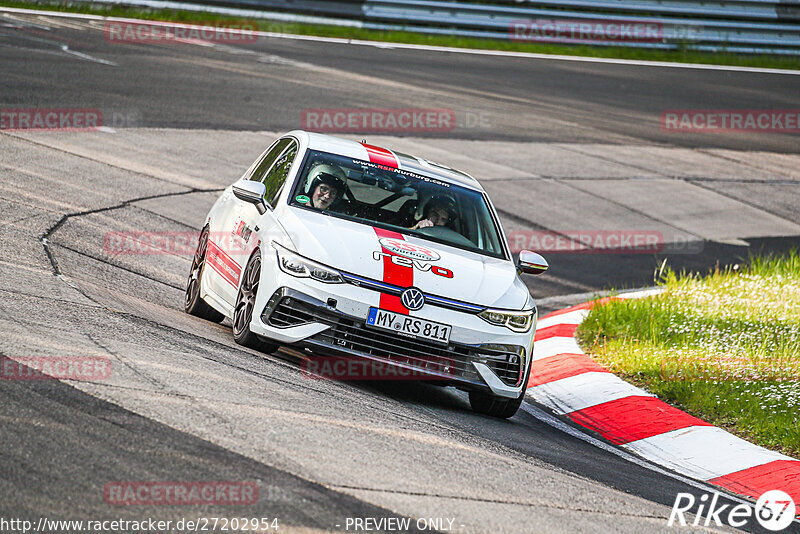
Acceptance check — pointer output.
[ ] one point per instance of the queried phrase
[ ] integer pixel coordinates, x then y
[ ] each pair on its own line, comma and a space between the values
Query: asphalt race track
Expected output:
560, 146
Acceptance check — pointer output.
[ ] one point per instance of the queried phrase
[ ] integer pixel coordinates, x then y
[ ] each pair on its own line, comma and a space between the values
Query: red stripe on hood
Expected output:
394, 274
381, 156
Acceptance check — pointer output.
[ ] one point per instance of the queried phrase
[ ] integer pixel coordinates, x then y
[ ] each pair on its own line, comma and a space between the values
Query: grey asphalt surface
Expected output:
266, 85
186, 403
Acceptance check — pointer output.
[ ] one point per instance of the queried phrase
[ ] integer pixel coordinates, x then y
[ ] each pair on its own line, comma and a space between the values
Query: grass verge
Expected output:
725, 347
345, 32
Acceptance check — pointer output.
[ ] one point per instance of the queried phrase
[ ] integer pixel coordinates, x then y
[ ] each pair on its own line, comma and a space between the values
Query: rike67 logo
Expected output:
774, 510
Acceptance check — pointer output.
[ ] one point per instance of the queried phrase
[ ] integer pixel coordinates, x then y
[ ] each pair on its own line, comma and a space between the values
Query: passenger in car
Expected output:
439, 211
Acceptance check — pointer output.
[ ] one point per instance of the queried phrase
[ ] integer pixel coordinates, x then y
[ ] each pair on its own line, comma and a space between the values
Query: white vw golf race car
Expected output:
346, 250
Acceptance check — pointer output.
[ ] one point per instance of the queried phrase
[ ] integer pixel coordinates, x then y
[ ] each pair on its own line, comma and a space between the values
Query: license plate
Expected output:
409, 326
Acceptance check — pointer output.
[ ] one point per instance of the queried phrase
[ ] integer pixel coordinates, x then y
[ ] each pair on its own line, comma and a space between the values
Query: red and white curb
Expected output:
573, 385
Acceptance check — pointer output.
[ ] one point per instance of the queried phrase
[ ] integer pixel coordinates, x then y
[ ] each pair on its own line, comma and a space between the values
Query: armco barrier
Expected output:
737, 26
333, 8
698, 25
733, 9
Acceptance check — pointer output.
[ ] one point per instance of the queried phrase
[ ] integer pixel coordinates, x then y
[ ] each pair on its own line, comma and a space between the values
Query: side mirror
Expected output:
531, 263
252, 192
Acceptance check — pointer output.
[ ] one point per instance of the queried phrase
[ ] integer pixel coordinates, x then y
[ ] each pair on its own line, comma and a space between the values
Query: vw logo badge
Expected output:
412, 298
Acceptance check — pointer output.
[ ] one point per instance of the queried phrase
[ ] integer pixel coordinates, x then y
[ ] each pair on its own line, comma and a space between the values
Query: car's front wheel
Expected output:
501, 407
245, 304
494, 406
193, 303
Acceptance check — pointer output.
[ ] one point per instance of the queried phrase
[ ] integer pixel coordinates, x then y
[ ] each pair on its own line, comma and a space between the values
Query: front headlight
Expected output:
514, 321
296, 265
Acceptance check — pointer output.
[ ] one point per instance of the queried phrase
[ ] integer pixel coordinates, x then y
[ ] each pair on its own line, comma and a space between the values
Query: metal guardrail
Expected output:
732, 9
698, 25
335, 8
737, 26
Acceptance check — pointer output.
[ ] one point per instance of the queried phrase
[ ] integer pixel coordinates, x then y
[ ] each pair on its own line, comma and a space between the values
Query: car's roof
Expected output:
366, 151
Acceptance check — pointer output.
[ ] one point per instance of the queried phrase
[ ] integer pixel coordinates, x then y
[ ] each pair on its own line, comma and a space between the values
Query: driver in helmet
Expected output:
326, 184
439, 211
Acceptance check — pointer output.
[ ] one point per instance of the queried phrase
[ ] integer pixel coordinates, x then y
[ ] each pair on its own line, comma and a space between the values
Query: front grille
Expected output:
451, 361
506, 365
351, 335
290, 312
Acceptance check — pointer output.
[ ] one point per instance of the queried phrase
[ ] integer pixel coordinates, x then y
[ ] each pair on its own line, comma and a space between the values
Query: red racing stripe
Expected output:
631, 418
557, 330
560, 366
781, 475
226, 266
381, 156
398, 275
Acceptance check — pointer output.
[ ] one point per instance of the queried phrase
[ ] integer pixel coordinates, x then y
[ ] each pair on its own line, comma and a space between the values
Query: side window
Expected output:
277, 175
264, 165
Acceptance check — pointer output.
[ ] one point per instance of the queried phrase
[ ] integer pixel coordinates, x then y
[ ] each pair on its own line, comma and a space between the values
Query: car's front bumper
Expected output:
498, 364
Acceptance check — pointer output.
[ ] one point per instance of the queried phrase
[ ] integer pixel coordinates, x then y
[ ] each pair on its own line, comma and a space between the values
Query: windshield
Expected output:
399, 200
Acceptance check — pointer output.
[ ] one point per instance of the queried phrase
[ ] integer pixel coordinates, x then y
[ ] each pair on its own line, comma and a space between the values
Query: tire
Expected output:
501, 407
245, 304
193, 304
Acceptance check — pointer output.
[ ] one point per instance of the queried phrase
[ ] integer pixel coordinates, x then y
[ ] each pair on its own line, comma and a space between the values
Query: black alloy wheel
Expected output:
245, 304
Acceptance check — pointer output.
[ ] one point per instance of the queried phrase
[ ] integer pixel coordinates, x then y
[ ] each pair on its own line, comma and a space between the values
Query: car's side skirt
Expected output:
216, 302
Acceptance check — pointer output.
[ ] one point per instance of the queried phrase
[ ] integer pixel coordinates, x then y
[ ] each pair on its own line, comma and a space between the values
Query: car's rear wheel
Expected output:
193, 303
245, 304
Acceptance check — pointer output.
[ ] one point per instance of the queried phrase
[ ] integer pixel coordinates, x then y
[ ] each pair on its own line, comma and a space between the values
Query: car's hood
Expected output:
366, 251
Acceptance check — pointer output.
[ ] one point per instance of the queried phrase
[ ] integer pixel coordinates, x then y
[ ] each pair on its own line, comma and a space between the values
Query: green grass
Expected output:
725, 347
682, 56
